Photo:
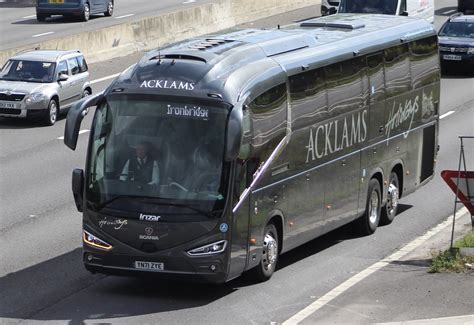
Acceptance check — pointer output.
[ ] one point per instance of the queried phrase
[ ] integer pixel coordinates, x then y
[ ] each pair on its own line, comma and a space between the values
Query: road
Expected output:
42, 279
19, 26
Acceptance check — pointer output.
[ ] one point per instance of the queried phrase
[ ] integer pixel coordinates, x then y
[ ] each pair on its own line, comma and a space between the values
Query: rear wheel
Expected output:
40, 17
393, 195
110, 9
86, 13
52, 113
270, 252
371, 218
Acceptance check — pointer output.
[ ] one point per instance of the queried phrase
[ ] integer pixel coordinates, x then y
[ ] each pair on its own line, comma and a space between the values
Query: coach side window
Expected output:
424, 61
344, 85
376, 77
268, 115
308, 96
397, 70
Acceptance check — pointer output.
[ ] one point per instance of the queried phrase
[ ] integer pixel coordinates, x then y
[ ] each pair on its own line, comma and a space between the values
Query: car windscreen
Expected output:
30, 71
368, 7
458, 29
165, 152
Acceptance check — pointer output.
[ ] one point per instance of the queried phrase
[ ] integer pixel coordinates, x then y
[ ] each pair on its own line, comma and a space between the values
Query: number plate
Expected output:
56, 1
149, 266
7, 105
452, 57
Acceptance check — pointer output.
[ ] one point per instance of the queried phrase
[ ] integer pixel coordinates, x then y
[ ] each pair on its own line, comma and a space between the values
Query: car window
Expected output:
73, 66
62, 68
82, 64
458, 29
30, 71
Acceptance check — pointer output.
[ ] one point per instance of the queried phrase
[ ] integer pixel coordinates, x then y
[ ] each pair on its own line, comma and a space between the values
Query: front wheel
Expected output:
270, 252
371, 218
52, 113
393, 196
110, 9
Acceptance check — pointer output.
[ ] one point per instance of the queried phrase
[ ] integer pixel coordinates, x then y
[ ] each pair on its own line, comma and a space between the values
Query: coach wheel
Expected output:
270, 251
393, 196
371, 218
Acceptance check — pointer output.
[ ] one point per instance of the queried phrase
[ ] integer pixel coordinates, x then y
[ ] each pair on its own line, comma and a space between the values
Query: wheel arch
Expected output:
398, 168
276, 218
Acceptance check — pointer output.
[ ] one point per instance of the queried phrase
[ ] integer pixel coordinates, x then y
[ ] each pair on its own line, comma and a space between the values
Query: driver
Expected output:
142, 167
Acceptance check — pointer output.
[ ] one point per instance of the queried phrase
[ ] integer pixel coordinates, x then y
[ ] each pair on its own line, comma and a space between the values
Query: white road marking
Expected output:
104, 78
346, 285
42, 34
124, 16
449, 12
80, 132
28, 17
188, 1
446, 114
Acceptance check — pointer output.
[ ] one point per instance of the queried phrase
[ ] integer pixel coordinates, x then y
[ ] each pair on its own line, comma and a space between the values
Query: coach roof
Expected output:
313, 42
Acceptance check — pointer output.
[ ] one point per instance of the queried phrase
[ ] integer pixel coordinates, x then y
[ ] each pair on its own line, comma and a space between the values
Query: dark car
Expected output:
456, 43
73, 8
465, 5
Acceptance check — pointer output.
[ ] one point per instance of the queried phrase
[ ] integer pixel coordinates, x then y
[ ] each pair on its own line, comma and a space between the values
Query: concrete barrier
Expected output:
123, 39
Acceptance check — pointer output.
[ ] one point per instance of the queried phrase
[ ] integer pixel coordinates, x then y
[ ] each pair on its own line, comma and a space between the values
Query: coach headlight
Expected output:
211, 249
95, 242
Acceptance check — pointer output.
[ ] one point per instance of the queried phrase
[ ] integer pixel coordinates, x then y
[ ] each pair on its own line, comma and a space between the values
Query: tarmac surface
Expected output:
385, 291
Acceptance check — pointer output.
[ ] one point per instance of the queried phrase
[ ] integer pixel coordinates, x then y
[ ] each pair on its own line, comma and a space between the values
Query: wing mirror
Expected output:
78, 187
63, 77
234, 134
75, 116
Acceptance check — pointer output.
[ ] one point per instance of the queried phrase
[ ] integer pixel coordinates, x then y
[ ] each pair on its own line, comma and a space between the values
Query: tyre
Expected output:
389, 211
270, 251
40, 17
52, 113
110, 9
371, 218
86, 92
86, 13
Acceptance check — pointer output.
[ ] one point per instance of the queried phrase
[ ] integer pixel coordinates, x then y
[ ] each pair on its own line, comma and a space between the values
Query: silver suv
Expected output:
40, 84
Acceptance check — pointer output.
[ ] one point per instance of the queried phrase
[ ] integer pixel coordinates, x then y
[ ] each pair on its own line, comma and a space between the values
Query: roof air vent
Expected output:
333, 24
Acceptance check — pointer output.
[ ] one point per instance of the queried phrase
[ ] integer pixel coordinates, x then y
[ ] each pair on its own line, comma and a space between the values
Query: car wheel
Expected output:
371, 218
86, 93
86, 13
393, 196
52, 113
110, 9
270, 251
40, 17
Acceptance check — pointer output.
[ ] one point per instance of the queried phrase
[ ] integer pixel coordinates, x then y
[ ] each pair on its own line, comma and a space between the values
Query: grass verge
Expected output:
451, 260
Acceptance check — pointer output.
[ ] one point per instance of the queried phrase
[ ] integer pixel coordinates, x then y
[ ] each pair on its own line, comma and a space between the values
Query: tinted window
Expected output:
73, 66
397, 70
368, 6
268, 114
82, 64
308, 96
344, 85
424, 61
376, 77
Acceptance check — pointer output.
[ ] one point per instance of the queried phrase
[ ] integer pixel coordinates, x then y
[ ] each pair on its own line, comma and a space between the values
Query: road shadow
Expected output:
25, 123
57, 19
446, 11
60, 289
